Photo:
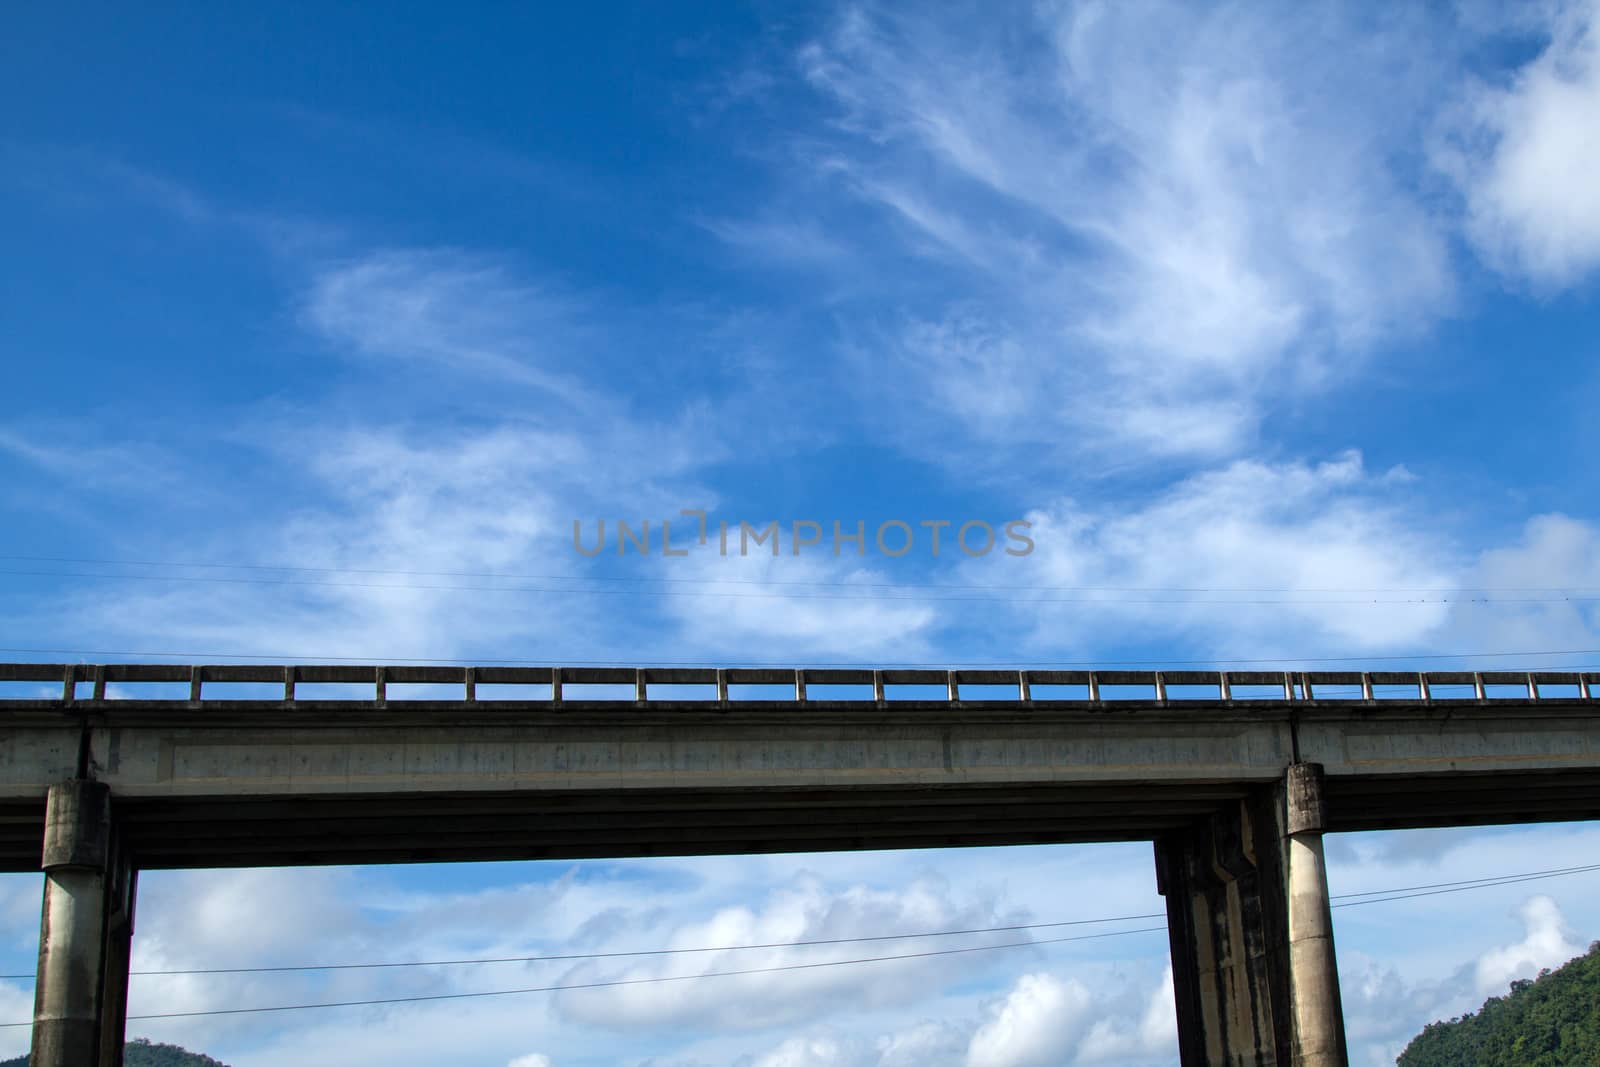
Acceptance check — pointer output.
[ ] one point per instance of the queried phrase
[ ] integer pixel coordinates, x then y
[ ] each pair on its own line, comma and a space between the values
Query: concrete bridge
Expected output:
1234, 776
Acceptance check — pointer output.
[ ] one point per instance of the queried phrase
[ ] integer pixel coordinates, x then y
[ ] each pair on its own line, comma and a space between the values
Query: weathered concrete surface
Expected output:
353, 782
1223, 883
1313, 967
81, 990
1449, 739
1255, 979
334, 749
331, 748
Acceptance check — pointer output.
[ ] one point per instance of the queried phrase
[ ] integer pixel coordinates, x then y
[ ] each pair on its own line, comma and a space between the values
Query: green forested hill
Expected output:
141, 1053
1551, 1022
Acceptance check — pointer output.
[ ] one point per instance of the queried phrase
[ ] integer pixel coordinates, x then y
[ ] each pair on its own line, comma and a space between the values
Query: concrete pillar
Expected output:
1225, 923
1252, 938
1313, 968
123, 890
84, 933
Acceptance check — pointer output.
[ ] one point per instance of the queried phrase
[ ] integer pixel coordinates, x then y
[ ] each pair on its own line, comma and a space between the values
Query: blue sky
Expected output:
322, 328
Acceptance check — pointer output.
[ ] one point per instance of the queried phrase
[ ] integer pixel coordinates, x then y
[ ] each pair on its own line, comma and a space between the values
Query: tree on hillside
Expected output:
140, 1052
1553, 1021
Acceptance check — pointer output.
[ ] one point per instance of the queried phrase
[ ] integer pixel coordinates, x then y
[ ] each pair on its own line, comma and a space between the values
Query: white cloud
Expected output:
1039, 1022
916, 1045
1526, 154
817, 1051
803, 911
1545, 581
1297, 559
16, 1004
1040, 1018
532, 1059
235, 918
871, 1015
1548, 943
278, 906
20, 900
297, 916
1294, 552
1398, 972
1407, 963
793, 614
924, 1043
1115, 1039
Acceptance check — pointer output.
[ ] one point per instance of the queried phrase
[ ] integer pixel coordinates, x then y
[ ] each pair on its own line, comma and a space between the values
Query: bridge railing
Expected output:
158, 682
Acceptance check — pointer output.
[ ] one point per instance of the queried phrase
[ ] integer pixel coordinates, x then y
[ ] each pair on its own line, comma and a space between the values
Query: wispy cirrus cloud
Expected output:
1153, 235
464, 315
128, 467
412, 497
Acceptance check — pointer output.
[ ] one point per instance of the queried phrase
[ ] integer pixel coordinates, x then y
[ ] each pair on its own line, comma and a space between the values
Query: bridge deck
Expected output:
204, 775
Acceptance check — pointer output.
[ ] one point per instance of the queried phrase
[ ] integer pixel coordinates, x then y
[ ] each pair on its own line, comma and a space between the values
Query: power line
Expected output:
659, 951
1482, 884
1444, 887
515, 576
613, 983
634, 981
877, 599
1374, 896
1379, 897
1468, 883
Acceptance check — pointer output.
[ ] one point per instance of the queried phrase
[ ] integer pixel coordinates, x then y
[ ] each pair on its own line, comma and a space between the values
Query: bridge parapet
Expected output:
124, 681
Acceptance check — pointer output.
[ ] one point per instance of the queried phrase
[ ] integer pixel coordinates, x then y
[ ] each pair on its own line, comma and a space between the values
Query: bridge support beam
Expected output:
1253, 965
85, 934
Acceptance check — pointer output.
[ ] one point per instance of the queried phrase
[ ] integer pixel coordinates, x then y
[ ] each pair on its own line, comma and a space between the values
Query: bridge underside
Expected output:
228, 831
573, 824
